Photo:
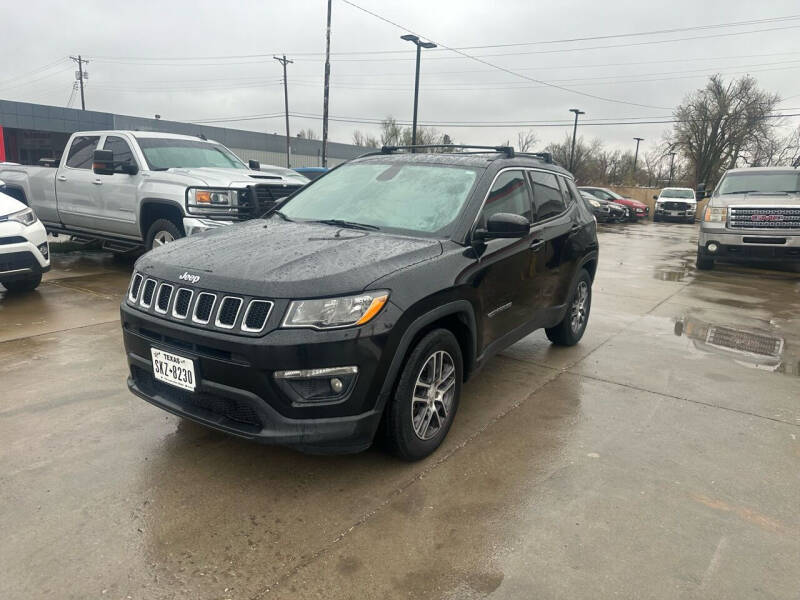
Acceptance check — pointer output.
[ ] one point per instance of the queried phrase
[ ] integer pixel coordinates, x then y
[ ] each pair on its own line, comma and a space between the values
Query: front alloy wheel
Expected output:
433, 395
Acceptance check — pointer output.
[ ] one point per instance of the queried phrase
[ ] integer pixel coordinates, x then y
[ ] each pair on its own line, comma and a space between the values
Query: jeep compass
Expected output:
360, 305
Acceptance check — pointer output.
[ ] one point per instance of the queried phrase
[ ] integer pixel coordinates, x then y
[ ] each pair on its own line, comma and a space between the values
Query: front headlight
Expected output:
328, 313
209, 200
715, 214
594, 203
26, 216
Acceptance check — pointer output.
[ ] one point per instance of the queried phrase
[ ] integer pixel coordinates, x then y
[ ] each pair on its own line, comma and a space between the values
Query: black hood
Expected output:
277, 259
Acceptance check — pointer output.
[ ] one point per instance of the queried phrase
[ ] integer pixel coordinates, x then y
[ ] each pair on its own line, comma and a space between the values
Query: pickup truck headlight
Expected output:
330, 313
210, 200
26, 216
715, 214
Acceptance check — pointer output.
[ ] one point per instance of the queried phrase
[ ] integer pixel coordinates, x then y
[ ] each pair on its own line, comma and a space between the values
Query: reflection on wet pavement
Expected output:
647, 461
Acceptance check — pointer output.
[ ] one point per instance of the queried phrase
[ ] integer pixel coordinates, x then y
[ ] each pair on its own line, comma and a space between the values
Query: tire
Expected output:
703, 263
28, 284
161, 232
406, 434
571, 328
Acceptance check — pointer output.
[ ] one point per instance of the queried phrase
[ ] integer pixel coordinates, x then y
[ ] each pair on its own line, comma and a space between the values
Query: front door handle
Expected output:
98, 182
574, 228
537, 244
62, 177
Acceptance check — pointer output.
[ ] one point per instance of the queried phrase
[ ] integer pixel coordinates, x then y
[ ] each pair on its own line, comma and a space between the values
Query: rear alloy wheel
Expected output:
426, 398
163, 231
570, 330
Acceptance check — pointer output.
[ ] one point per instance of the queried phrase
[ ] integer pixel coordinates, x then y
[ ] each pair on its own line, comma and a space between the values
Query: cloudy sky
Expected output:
212, 61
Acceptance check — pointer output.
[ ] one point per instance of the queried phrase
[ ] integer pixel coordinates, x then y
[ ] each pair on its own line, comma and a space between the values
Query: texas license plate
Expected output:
173, 369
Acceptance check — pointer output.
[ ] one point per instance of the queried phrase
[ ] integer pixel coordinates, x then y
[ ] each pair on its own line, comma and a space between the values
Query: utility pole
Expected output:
671, 163
327, 88
284, 61
636, 156
81, 76
574, 133
420, 45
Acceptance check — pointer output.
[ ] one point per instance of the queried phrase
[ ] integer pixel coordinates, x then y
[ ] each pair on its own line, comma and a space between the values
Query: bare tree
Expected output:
722, 125
366, 141
307, 134
393, 134
526, 140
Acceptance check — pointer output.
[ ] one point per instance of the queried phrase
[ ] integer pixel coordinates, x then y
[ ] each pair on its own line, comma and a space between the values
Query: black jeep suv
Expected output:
364, 301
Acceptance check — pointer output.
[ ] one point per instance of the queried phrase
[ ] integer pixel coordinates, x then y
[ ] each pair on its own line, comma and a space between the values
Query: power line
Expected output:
35, 71
509, 71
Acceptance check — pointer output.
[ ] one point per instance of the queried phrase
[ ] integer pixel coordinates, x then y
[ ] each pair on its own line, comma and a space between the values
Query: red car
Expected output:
636, 210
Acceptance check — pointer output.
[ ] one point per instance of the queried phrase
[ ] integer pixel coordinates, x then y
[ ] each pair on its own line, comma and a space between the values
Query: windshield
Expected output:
173, 153
677, 193
412, 197
765, 183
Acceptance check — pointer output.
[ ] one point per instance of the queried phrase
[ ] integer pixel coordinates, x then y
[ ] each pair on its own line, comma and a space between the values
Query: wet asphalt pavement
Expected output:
654, 460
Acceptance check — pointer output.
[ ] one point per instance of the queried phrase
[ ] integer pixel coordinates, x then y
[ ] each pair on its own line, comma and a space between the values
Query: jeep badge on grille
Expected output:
189, 277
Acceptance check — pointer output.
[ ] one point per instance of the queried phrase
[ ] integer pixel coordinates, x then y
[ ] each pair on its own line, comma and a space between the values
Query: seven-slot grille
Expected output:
764, 217
199, 308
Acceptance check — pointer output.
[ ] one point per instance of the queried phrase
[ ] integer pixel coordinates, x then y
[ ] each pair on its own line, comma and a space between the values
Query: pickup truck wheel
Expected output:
24, 285
163, 231
703, 263
570, 330
426, 396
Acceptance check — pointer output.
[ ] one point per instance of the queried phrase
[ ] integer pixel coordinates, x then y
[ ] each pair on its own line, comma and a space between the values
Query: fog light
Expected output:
336, 385
44, 249
307, 386
712, 247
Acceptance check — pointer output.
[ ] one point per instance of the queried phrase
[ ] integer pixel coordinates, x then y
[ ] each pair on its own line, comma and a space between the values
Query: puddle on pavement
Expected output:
755, 348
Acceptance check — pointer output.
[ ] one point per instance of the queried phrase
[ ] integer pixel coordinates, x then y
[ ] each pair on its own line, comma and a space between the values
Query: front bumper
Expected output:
23, 250
752, 245
192, 225
236, 391
678, 215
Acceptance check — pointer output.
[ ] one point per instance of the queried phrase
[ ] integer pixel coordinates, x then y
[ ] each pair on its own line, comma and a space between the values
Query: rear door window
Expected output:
547, 197
81, 152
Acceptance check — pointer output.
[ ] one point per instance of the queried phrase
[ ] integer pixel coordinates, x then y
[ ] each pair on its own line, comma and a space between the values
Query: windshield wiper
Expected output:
280, 214
347, 224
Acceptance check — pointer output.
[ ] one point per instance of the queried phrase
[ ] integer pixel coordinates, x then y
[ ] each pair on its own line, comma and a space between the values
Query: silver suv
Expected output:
753, 214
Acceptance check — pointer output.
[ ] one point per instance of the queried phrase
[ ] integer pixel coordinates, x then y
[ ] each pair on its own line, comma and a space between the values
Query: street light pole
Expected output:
574, 133
671, 163
636, 156
326, 93
420, 45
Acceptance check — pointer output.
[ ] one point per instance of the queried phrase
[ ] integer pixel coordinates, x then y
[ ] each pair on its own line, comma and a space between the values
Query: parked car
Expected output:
675, 204
375, 292
636, 210
311, 172
140, 188
24, 252
605, 212
753, 214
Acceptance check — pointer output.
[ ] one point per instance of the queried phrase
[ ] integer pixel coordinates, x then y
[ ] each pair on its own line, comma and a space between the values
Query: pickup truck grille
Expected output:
243, 315
671, 205
758, 217
258, 199
745, 341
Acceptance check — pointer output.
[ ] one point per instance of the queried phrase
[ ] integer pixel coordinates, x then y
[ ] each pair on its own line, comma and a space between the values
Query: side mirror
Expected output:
503, 225
103, 162
655, 197
254, 165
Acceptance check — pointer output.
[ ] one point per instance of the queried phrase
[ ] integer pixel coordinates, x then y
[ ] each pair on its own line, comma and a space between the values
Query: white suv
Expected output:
24, 253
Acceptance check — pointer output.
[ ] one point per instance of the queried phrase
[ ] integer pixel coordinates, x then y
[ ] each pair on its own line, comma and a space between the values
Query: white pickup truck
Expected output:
137, 188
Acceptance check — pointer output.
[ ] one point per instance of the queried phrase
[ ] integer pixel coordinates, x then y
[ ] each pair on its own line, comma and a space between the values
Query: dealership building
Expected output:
29, 132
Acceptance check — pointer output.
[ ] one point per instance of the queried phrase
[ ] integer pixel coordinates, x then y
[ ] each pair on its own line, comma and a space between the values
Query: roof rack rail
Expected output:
507, 150
544, 156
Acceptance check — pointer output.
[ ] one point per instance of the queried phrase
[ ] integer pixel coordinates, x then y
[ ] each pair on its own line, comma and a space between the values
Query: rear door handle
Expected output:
98, 182
537, 244
62, 177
